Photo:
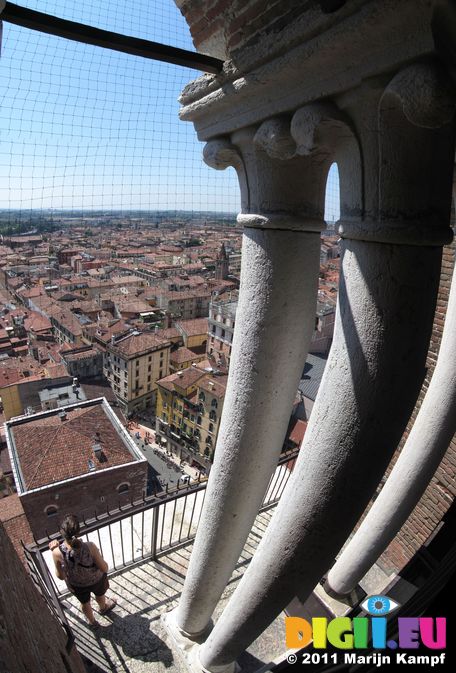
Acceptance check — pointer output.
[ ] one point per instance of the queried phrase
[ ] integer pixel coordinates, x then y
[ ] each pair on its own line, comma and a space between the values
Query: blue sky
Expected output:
88, 127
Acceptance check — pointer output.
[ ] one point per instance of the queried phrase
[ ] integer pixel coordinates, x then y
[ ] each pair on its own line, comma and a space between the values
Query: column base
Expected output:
339, 604
186, 646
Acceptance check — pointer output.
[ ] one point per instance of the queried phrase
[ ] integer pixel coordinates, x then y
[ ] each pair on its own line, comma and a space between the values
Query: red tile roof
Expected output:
137, 344
50, 450
185, 379
193, 327
215, 385
183, 354
37, 322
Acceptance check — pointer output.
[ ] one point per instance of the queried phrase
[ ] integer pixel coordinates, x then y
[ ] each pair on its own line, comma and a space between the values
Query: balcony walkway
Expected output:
131, 638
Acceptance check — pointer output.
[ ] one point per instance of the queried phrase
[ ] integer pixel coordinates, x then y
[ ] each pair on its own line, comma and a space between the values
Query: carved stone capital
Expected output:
426, 93
220, 153
315, 127
416, 153
274, 137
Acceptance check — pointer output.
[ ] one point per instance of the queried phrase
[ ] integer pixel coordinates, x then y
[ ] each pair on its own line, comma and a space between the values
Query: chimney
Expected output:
113, 339
63, 415
97, 450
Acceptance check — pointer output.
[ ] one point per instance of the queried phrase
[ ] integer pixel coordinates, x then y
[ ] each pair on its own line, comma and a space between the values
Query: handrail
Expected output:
149, 528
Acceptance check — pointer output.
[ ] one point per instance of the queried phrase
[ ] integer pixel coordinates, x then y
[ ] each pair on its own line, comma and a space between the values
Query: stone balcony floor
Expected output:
131, 638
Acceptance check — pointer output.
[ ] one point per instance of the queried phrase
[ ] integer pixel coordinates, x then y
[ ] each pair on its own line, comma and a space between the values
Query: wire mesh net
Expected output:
86, 129
332, 197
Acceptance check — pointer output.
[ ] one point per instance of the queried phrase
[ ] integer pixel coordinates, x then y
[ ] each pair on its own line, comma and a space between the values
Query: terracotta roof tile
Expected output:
51, 450
183, 354
193, 327
135, 344
189, 377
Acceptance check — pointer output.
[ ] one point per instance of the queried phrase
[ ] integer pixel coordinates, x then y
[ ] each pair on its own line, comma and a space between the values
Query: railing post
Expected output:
154, 535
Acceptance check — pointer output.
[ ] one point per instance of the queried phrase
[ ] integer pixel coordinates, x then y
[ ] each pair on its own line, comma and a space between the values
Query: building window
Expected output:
211, 427
202, 396
214, 403
123, 488
198, 420
213, 416
161, 373
148, 386
149, 368
148, 378
149, 358
52, 510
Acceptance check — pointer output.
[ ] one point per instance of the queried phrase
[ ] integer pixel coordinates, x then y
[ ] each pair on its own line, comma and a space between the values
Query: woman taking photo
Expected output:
83, 568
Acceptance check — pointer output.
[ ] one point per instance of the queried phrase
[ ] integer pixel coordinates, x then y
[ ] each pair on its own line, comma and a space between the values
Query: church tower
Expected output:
221, 264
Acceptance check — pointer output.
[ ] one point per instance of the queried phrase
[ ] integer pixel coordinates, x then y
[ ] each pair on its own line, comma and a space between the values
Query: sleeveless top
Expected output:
80, 567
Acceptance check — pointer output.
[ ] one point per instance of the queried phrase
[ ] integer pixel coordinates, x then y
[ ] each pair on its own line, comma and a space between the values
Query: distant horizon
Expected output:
92, 126
116, 210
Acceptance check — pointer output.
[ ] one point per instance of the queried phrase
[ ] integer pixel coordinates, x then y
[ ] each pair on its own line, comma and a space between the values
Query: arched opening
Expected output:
332, 197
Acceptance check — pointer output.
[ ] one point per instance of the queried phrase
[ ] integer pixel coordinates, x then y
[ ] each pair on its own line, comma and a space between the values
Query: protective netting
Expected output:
332, 197
90, 129
93, 129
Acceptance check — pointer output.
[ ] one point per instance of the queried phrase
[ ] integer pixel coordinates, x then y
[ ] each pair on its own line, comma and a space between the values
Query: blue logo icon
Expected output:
379, 606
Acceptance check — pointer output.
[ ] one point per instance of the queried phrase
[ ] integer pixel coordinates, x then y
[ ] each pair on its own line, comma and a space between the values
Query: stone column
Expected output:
283, 200
388, 287
425, 447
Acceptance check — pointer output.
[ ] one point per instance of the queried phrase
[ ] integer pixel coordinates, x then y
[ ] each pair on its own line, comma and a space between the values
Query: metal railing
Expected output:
43, 582
143, 530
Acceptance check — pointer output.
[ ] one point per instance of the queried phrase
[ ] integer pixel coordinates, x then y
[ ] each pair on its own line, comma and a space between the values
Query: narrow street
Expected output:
163, 469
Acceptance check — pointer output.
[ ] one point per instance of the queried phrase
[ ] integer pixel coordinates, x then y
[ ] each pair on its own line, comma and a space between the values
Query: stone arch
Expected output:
332, 195
323, 132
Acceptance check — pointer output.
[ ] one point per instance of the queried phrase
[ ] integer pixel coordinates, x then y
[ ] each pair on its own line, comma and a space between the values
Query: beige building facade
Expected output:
133, 364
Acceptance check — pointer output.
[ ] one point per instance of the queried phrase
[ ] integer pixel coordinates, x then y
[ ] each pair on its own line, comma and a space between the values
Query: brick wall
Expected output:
31, 639
84, 496
221, 27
